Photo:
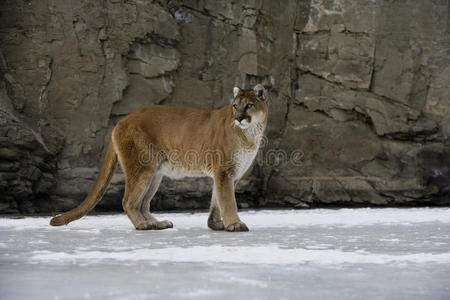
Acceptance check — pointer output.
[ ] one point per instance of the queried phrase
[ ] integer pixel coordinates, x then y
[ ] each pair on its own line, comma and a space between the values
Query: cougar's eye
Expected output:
235, 105
249, 105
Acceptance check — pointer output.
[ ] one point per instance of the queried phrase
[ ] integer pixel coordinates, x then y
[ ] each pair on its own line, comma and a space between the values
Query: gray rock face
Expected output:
359, 96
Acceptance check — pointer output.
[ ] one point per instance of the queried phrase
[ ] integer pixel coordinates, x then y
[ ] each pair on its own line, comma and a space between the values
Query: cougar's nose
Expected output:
240, 118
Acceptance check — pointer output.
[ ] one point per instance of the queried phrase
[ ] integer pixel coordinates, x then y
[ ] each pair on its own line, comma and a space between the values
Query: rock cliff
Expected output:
359, 95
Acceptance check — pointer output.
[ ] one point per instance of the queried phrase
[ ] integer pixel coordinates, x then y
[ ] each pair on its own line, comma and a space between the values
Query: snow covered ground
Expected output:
308, 254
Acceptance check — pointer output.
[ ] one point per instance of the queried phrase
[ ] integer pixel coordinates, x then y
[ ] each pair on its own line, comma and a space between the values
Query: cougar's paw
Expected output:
238, 226
215, 224
154, 225
164, 224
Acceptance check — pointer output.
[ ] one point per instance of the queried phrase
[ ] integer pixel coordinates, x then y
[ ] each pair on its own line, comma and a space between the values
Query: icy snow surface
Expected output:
309, 254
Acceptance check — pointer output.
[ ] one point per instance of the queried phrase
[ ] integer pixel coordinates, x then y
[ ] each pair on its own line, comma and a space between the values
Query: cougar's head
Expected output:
249, 106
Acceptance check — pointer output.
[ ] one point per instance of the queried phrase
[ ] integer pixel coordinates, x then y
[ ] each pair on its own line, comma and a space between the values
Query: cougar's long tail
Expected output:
95, 195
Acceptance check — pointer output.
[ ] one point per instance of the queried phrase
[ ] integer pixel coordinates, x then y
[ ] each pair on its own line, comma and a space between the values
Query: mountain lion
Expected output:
158, 141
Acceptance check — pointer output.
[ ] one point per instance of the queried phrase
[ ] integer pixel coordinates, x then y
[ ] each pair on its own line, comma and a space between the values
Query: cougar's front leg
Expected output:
214, 219
224, 191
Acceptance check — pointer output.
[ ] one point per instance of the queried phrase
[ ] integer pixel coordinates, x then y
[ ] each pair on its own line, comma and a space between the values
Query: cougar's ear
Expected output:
260, 91
236, 91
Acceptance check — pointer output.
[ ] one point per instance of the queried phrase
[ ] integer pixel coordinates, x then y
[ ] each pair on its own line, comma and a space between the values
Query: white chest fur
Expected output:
243, 160
244, 157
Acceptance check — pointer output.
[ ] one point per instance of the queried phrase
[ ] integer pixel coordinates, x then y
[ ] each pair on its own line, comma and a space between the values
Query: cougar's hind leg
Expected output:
153, 188
135, 188
145, 208
139, 163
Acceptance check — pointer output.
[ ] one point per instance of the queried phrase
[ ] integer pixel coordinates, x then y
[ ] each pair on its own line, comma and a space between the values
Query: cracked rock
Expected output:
358, 95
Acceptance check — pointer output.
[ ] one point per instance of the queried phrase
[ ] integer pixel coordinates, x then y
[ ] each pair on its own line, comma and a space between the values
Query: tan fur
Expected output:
158, 141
